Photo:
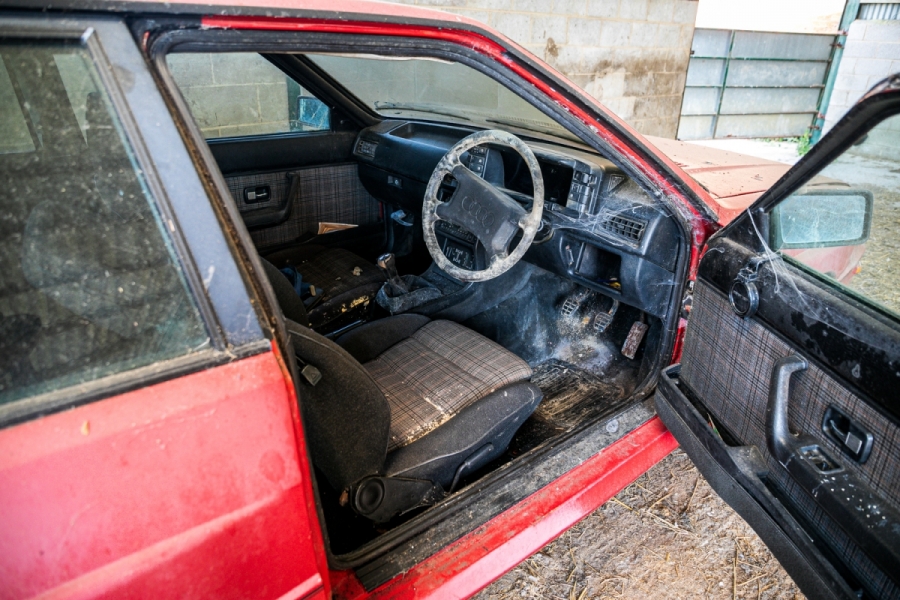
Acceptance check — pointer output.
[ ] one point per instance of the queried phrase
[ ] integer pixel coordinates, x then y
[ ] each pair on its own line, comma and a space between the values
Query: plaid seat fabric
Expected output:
441, 369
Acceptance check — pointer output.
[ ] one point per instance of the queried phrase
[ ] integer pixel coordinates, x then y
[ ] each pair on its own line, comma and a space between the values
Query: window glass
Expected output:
90, 285
845, 222
233, 94
423, 87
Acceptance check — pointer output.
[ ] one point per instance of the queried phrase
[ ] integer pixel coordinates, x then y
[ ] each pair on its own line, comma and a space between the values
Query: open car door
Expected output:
788, 394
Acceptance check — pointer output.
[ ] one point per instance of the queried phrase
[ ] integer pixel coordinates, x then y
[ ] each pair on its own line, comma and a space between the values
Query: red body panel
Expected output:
468, 565
193, 486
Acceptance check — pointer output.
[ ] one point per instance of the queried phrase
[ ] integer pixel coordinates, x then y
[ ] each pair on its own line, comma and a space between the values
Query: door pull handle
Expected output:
778, 435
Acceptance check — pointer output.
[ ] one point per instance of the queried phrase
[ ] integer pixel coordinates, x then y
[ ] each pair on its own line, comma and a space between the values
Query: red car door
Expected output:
786, 396
150, 435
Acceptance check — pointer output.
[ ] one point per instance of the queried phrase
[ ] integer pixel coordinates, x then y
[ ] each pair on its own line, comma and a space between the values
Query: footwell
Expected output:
572, 396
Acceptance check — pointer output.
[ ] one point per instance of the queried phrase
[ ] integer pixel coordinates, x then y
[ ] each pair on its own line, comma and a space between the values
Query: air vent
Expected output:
366, 148
626, 227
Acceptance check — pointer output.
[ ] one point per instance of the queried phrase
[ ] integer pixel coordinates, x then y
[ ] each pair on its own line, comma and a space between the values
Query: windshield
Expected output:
429, 88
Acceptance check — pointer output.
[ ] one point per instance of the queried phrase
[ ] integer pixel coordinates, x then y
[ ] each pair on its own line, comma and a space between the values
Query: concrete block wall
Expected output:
632, 55
232, 94
872, 52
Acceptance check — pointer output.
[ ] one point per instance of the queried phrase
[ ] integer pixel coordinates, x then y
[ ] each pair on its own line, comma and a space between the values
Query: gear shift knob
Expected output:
388, 264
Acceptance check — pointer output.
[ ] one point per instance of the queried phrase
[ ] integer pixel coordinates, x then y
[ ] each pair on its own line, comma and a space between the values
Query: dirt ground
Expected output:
668, 535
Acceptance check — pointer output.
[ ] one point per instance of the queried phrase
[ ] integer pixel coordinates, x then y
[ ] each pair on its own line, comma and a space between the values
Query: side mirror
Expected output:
820, 218
313, 114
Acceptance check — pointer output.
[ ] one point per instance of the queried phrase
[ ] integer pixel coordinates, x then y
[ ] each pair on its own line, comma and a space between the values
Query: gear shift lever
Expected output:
389, 265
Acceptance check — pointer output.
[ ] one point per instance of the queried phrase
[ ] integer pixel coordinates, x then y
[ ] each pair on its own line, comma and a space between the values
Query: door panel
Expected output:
728, 362
286, 173
194, 486
324, 194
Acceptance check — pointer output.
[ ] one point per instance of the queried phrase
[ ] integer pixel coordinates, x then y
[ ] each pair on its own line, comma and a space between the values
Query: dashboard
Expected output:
599, 228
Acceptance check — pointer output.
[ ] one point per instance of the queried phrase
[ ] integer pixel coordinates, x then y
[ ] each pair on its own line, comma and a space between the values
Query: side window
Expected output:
89, 283
235, 94
845, 222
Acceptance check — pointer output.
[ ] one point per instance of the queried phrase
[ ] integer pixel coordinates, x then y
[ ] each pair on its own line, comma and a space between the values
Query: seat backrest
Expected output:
347, 419
290, 303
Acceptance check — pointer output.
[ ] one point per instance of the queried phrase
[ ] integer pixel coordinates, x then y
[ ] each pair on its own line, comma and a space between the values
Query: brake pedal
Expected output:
602, 320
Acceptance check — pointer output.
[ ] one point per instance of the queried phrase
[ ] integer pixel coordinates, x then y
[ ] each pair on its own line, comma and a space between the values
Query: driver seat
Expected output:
398, 411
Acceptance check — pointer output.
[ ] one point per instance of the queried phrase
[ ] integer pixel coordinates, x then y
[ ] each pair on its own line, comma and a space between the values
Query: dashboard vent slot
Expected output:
366, 148
626, 227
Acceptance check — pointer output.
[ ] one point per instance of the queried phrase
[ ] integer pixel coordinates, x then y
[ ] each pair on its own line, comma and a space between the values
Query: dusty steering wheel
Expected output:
482, 209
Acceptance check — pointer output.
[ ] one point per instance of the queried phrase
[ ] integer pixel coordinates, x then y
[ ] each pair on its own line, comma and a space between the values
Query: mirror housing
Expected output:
821, 218
313, 114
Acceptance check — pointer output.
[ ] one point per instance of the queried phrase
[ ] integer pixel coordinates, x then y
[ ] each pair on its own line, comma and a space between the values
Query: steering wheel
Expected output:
482, 209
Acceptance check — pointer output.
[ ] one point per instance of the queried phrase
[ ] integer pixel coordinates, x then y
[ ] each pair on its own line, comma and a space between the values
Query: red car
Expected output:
350, 299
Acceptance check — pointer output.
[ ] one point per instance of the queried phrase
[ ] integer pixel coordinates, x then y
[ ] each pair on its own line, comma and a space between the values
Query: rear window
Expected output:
90, 285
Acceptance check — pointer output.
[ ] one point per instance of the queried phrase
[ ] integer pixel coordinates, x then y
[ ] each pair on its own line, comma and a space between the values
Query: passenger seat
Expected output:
345, 284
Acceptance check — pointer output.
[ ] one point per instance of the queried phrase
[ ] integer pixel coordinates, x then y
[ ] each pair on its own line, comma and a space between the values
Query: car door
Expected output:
788, 394
149, 432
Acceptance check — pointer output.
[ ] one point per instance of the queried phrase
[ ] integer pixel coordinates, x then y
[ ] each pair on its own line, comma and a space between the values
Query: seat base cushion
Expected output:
438, 371
476, 435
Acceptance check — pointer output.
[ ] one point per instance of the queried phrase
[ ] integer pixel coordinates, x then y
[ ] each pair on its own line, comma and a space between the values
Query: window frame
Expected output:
99, 36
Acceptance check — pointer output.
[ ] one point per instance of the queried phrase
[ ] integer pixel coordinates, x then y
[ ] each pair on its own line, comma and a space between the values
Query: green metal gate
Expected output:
753, 84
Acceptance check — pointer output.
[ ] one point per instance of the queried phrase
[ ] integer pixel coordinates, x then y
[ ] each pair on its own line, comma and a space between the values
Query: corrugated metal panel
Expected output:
711, 42
760, 73
784, 46
705, 71
766, 84
756, 101
700, 101
756, 126
879, 12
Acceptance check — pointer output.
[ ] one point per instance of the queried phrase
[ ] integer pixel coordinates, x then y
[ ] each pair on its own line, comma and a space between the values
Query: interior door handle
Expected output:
778, 435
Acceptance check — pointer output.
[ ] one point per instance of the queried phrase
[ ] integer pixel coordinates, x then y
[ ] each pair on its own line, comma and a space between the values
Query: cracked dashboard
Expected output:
599, 228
